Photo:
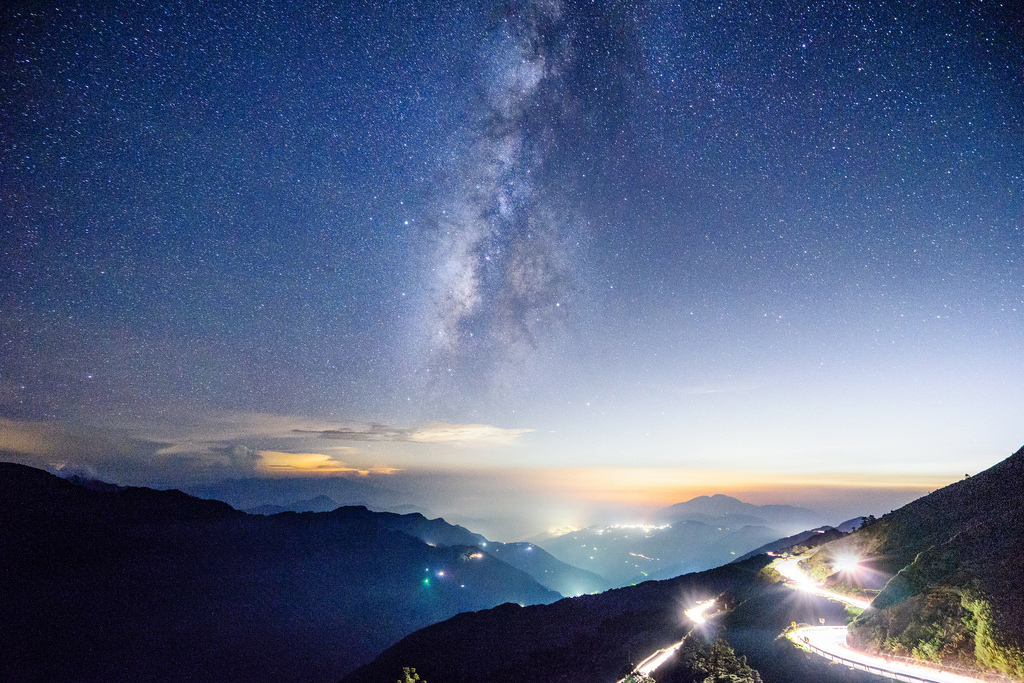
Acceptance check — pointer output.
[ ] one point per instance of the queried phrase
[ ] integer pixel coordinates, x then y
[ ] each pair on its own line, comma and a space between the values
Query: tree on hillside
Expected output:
638, 678
410, 676
713, 662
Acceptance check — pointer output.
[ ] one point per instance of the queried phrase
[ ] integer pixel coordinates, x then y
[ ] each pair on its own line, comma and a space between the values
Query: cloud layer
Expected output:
435, 432
230, 444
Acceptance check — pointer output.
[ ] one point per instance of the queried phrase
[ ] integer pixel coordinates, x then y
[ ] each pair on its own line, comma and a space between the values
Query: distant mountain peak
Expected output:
708, 509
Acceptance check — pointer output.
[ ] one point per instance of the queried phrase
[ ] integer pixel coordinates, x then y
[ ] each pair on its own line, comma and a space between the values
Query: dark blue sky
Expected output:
727, 238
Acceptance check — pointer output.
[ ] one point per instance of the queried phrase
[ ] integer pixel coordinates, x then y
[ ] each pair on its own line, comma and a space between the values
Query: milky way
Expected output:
505, 250
777, 235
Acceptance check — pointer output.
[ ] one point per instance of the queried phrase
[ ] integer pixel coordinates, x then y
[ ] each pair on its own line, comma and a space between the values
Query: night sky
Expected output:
624, 252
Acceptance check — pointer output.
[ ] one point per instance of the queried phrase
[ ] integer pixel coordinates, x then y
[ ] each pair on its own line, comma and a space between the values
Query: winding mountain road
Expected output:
790, 568
830, 641
698, 614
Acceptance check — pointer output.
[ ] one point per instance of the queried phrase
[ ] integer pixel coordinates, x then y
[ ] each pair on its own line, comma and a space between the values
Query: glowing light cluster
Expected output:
643, 527
790, 568
846, 562
698, 613
642, 556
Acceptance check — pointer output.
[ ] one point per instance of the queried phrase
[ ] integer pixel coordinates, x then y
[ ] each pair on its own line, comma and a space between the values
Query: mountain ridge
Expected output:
596, 637
703, 534
140, 584
720, 507
954, 555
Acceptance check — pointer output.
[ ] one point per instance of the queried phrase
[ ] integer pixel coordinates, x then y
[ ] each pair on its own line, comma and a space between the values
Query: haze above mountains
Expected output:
694, 535
949, 563
138, 568
104, 581
698, 534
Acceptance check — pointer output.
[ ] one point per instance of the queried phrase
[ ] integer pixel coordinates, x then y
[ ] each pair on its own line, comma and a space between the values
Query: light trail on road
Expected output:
649, 665
698, 614
790, 568
832, 641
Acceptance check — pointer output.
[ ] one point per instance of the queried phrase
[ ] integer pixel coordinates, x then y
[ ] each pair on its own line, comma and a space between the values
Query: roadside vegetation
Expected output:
948, 626
409, 675
705, 661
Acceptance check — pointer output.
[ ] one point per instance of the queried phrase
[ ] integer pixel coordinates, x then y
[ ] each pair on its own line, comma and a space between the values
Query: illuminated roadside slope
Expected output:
956, 557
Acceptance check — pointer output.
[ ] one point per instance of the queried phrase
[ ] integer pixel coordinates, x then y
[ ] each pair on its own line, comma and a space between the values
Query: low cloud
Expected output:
279, 462
114, 455
372, 432
32, 438
180, 449
439, 432
433, 432
211, 432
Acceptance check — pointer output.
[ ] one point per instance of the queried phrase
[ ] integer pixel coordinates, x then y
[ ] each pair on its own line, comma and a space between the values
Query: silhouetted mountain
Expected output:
251, 493
630, 554
955, 559
546, 570
270, 509
851, 524
135, 583
699, 534
597, 638
90, 483
722, 510
321, 503
430, 531
138, 584
810, 538
535, 561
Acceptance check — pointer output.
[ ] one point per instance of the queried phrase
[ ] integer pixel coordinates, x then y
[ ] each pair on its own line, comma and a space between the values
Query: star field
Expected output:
648, 234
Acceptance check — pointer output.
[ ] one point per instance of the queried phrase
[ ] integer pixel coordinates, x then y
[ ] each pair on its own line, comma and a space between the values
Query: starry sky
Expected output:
492, 256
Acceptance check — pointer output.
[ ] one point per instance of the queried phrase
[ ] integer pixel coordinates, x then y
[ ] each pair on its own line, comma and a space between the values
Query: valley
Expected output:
100, 573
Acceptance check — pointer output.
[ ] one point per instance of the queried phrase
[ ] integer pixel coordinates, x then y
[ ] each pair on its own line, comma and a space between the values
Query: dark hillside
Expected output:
137, 584
431, 531
955, 556
588, 638
548, 571
595, 638
535, 561
808, 539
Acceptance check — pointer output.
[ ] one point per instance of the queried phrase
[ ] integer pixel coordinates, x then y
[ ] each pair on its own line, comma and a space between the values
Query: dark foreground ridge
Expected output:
119, 583
111, 583
588, 638
954, 557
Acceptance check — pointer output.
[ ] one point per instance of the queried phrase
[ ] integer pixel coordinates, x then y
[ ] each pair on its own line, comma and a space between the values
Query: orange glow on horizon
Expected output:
667, 486
278, 462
